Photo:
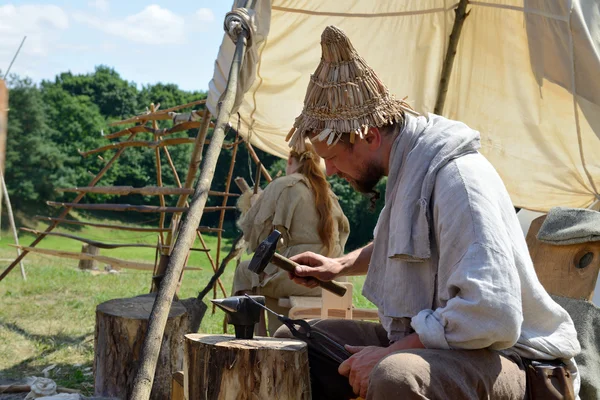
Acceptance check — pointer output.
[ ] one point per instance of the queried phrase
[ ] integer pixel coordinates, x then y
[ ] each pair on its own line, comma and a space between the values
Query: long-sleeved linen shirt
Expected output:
486, 292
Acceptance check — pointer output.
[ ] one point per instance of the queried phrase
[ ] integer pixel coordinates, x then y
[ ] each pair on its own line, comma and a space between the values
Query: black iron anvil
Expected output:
242, 313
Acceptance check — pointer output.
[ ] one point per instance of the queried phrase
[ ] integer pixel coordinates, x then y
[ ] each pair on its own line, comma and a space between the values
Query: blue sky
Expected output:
145, 41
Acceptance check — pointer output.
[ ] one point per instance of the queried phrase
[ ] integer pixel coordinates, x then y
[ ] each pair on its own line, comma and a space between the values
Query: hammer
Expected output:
265, 253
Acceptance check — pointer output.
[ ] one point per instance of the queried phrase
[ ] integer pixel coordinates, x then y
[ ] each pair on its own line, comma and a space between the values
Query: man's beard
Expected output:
367, 182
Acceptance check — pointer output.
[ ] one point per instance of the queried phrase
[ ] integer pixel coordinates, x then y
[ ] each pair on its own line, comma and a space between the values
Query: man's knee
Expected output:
400, 374
283, 332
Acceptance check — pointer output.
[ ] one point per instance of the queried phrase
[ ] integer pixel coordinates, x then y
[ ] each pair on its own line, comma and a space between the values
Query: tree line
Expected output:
51, 121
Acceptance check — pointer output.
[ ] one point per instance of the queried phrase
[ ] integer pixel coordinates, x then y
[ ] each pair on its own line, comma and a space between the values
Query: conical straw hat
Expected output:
344, 96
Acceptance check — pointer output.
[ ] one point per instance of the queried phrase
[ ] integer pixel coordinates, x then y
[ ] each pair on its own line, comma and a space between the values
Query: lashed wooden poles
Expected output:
195, 160
129, 207
145, 190
138, 143
161, 222
160, 310
118, 227
64, 213
459, 20
224, 204
98, 244
210, 259
160, 115
103, 259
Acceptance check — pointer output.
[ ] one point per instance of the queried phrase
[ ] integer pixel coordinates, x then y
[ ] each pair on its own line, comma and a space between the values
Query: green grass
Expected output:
49, 319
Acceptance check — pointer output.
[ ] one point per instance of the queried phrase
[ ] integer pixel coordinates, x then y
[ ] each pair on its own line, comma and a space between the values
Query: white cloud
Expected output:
205, 15
100, 5
152, 25
42, 24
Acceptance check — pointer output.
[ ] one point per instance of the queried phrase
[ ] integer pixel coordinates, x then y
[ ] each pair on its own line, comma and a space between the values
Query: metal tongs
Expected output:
315, 339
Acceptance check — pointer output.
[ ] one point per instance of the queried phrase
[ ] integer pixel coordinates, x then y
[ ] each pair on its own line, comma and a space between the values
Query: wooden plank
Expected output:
569, 270
146, 190
117, 227
117, 262
129, 207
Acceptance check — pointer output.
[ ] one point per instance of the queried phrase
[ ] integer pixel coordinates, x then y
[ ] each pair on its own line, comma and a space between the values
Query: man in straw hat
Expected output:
461, 308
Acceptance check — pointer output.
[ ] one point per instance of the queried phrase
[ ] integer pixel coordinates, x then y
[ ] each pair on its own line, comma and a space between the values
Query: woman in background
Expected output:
303, 208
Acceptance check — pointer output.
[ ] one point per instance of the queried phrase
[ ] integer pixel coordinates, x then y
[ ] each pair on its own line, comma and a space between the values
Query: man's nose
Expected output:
330, 169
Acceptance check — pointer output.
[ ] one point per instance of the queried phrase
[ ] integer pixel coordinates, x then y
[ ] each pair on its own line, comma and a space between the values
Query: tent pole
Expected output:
459, 20
160, 310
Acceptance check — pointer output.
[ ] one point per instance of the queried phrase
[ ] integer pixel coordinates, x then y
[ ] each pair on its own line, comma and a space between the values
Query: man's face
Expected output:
355, 164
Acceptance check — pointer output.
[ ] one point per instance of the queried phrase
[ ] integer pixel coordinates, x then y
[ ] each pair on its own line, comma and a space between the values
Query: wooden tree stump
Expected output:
220, 367
121, 326
89, 264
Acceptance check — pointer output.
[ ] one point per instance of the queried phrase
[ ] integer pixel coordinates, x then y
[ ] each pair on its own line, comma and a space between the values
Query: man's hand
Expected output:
359, 366
364, 358
314, 265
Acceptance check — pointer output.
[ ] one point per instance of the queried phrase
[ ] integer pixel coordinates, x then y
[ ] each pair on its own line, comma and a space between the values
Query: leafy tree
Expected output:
34, 163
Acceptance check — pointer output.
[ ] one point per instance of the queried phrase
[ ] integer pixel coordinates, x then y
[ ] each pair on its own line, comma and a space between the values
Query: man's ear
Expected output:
373, 138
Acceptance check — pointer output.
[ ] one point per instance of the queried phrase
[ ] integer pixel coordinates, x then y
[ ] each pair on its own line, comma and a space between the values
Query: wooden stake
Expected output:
160, 310
11, 220
3, 124
242, 184
66, 211
460, 15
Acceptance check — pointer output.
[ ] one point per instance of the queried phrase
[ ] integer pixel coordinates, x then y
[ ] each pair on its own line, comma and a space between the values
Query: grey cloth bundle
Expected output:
586, 317
565, 226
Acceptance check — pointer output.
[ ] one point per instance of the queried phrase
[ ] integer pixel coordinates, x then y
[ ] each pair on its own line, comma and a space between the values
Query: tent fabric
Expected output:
525, 75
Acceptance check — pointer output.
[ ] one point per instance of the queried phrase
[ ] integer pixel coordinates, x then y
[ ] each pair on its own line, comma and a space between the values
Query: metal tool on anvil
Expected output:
243, 312
315, 339
265, 254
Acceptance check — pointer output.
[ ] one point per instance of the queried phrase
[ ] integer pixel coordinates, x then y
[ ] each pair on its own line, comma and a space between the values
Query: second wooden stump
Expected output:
220, 367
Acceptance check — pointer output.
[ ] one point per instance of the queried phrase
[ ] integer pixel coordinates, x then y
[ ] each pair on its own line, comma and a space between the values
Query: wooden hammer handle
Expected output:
288, 265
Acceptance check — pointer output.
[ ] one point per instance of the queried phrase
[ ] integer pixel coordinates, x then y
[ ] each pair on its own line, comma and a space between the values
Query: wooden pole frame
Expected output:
66, 211
160, 310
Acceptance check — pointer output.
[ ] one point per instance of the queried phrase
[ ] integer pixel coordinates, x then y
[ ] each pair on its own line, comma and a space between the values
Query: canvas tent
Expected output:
526, 75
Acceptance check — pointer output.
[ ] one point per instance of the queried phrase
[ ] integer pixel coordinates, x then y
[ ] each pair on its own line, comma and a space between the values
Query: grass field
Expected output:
49, 319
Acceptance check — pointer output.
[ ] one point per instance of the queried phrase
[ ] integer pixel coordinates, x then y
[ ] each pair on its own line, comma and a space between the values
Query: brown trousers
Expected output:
415, 374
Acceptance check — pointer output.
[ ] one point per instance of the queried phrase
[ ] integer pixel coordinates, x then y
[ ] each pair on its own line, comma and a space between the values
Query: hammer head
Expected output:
264, 252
